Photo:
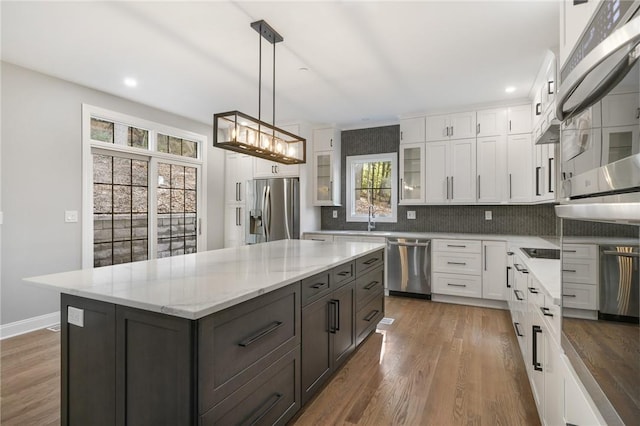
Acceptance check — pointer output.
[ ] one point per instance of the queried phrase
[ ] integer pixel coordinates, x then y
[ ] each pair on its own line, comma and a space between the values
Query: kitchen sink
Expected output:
542, 253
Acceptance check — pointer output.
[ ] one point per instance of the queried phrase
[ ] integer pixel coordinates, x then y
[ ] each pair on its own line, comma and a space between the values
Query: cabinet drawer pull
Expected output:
546, 311
259, 414
508, 270
370, 261
570, 251
517, 327
519, 268
457, 246
516, 294
457, 285
371, 285
317, 239
456, 263
533, 290
260, 334
371, 315
344, 273
569, 295
319, 285
573, 271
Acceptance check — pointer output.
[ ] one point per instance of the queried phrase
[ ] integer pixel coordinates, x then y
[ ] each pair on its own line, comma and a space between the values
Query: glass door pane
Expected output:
323, 177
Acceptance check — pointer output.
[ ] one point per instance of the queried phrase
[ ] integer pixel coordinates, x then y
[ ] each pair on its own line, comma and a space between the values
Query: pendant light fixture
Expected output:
242, 133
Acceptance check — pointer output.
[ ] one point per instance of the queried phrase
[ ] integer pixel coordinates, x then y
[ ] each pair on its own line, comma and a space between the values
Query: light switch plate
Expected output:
488, 215
411, 214
71, 216
75, 316
335, 214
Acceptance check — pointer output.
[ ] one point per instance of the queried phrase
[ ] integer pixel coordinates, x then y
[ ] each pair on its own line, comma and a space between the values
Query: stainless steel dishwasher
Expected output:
409, 267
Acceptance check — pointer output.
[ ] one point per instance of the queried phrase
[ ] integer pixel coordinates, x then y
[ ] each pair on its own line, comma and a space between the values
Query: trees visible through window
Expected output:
371, 187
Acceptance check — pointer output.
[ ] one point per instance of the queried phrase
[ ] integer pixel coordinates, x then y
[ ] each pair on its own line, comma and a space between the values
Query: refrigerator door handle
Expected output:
286, 209
267, 213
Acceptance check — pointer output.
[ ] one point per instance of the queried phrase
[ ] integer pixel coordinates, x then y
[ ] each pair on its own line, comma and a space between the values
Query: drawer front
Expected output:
239, 342
455, 263
579, 296
315, 287
368, 317
342, 274
319, 237
273, 397
457, 246
552, 316
580, 251
457, 285
580, 271
368, 286
535, 294
369, 261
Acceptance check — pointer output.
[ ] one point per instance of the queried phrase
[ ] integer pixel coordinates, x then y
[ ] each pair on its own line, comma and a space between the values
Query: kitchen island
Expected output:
241, 335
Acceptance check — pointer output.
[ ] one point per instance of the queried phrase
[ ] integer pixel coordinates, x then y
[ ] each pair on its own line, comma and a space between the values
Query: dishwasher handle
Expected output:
395, 243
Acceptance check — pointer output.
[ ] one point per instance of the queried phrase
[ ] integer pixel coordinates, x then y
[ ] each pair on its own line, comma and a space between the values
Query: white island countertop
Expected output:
196, 285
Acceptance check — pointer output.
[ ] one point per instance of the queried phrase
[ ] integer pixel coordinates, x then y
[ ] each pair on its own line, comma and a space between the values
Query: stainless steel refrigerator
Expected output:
274, 210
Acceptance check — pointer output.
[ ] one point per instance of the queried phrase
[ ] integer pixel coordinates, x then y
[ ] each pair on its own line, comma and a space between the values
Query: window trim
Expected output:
89, 146
350, 177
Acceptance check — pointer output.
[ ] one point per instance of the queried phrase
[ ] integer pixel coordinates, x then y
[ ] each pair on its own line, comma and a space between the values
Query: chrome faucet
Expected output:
371, 223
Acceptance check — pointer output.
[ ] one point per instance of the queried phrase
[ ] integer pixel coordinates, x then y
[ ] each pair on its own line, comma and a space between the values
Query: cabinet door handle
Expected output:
573, 271
457, 285
445, 131
370, 261
517, 327
259, 414
331, 190
535, 330
569, 295
509, 125
516, 294
331, 142
551, 160
336, 313
237, 192
546, 311
508, 271
478, 187
447, 187
319, 285
478, 130
451, 130
452, 196
261, 333
401, 137
332, 316
485, 258
401, 189
510, 192
533, 290
371, 315
371, 285
456, 263
538, 181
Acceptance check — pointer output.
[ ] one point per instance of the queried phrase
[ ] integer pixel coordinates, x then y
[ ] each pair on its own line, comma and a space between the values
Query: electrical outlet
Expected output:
335, 214
71, 216
411, 214
488, 215
75, 316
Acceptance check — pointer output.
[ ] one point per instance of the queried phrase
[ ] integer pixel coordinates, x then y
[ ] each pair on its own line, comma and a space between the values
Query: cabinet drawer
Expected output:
579, 296
457, 285
552, 316
319, 237
580, 271
580, 251
369, 261
456, 263
272, 397
368, 317
368, 286
342, 274
457, 246
315, 287
239, 342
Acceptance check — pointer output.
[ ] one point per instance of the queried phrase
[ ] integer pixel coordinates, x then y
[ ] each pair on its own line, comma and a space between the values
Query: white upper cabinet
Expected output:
451, 172
326, 167
451, 126
268, 169
519, 168
325, 139
412, 173
519, 119
437, 190
412, 130
491, 161
491, 122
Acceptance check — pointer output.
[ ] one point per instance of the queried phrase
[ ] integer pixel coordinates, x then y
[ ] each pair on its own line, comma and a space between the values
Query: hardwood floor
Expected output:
437, 364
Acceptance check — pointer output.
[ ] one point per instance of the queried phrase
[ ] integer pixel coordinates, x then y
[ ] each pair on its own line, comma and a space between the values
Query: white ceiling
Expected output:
367, 61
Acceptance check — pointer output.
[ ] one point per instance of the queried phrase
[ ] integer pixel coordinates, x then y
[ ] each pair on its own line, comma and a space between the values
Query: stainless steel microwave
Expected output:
599, 106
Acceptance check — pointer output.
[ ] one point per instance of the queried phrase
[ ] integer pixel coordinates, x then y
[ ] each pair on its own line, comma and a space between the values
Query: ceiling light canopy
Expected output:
239, 132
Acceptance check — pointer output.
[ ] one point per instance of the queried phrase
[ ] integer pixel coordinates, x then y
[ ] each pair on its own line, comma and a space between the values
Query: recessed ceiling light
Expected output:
303, 69
510, 89
130, 82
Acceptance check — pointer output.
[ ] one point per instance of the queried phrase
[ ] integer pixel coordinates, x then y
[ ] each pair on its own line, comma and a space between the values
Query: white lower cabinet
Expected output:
234, 225
318, 237
457, 284
456, 268
579, 409
494, 270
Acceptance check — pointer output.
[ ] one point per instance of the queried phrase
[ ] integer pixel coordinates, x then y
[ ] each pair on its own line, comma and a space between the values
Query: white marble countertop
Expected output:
195, 285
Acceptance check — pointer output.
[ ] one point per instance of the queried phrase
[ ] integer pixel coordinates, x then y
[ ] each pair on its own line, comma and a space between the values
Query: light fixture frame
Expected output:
269, 142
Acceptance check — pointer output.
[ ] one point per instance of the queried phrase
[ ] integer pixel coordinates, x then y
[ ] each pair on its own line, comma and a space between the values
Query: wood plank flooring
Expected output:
437, 364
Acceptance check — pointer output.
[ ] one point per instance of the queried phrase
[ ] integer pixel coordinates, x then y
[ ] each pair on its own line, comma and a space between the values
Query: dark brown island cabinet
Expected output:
255, 363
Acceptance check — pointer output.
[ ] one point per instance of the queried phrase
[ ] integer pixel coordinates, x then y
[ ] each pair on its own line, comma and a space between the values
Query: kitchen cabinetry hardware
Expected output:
457, 245
271, 402
569, 295
371, 315
344, 273
452, 196
538, 181
573, 271
550, 87
517, 327
401, 135
637, 113
456, 263
337, 313
534, 338
510, 192
331, 142
515, 292
261, 333
401, 188
457, 285
538, 108
619, 253
485, 258
509, 125
508, 274
533, 290
509, 253
448, 187
478, 185
570, 251
199, 226
478, 129
546, 311
370, 261
451, 130
519, 268
551, 160
371, 285
319, 285
331, 318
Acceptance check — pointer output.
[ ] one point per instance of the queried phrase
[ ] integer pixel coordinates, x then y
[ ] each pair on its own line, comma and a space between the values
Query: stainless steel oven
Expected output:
599, 106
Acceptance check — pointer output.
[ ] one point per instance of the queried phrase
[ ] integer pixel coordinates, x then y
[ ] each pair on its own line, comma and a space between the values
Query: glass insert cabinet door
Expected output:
412, 173
323, 178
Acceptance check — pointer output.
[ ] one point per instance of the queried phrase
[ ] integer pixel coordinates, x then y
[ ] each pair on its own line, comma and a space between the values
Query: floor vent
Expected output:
386, 321
54, 328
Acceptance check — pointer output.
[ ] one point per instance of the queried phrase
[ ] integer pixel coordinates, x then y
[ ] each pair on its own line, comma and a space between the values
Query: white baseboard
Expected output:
30, 324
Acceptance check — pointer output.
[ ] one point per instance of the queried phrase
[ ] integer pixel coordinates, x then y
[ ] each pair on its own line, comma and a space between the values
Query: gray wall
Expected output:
41, 177
516, 220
